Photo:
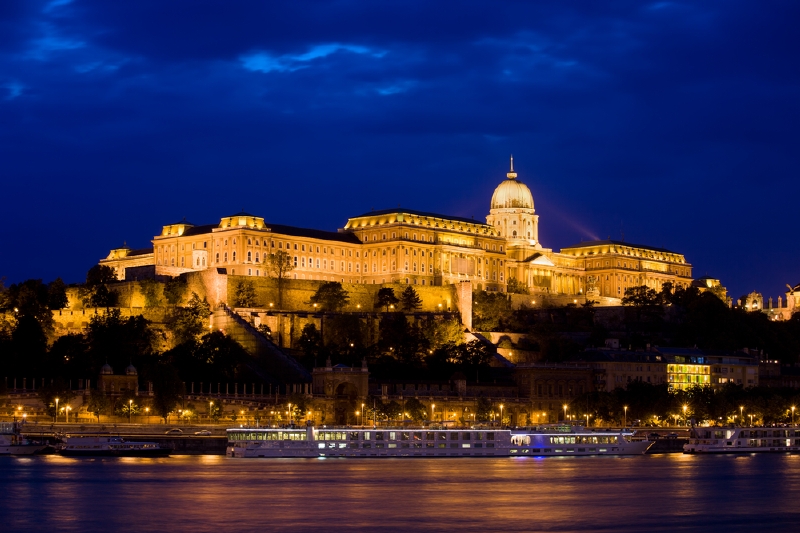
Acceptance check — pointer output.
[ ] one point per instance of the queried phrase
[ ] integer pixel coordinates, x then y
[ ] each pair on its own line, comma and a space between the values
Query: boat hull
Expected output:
161, 452
24, 449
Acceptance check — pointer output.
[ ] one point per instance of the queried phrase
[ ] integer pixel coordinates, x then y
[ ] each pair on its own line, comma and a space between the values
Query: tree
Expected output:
483, 409
100, 274
168, 390
278, 266
57, 389
174, 290
330, 296
57, 294
641, 296
98, 403
489, 311
244, 294
409, 299
189, 322
386, 298
150, 290
516, 287
416, 409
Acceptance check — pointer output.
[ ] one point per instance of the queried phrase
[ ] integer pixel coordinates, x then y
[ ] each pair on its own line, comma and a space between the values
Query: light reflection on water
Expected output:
211, 493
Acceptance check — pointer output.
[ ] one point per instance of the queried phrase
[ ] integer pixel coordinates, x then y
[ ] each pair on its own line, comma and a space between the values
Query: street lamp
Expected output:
433, 410
67, 409
56, 419
587, 420
210, 410
741, 413
685, 422
565, 411
290, 405
751, 420
793, 415
625, 423
362, 414
501, 414
130, 410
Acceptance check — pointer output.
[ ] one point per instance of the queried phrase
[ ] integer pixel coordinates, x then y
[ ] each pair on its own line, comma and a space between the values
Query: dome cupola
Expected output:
512, 193
107, 370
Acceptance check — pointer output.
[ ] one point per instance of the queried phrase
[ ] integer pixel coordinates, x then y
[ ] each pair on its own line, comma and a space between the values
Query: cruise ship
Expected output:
12, 442
102, 446
743, 440
564, 440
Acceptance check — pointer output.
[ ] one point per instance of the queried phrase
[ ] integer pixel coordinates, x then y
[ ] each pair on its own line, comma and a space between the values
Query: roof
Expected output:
141, 251
241, 214
199, 230
314, 233
419, 213
587, 244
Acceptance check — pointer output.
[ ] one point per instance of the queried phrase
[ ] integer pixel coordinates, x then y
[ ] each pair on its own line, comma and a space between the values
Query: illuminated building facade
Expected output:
414, 247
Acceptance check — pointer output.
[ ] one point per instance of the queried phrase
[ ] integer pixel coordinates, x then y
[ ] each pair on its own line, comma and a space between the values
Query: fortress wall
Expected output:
297, 294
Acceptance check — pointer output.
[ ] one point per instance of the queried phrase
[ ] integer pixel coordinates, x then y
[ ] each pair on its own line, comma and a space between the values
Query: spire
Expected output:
511, 175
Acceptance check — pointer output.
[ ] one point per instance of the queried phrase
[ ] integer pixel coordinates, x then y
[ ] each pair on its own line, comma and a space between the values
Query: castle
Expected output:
414, 247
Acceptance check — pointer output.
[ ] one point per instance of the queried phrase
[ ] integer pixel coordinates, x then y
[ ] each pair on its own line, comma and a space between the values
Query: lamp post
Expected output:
67, 409
565, 411
685, 422
130, 411
751, 420
290, 405
587, 420
147, 415
793, 415
741, 413
362, 414
501, 414
56, 417
433, 410
210, 410
625, 423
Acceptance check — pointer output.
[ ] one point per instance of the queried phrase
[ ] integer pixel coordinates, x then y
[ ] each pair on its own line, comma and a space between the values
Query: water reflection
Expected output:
210, 493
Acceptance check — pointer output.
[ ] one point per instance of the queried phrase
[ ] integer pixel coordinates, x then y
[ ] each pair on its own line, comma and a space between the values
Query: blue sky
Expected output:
673, 123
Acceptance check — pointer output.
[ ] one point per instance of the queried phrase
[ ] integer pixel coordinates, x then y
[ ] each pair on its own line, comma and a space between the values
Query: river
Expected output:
212, 493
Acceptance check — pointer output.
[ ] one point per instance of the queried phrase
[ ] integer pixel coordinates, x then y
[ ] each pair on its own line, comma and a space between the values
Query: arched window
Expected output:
234, 255
414, 266
226, 257
249, 255
173, 261
216, 258
256, 257
514, 233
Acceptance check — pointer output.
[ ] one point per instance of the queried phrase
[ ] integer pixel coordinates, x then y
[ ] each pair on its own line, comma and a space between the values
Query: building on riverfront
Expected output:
414, 247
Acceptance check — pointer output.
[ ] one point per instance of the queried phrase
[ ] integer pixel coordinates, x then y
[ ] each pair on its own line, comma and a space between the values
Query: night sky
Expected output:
673, 123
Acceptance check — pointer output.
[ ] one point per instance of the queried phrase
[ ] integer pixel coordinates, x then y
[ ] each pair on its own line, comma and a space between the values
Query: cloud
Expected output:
266, 62
14, 90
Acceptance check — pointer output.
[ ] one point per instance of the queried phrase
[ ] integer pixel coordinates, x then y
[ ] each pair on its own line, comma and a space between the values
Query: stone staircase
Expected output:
279, 367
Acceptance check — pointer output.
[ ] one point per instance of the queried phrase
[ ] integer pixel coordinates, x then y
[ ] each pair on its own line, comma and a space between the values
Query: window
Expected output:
226, 257
257, 256
304, 248
249, 255
216, 258
295, 262
234, 255
181, 261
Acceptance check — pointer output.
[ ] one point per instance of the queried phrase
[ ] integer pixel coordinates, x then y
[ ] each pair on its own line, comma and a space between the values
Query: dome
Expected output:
131, 370
512, 193
106, 370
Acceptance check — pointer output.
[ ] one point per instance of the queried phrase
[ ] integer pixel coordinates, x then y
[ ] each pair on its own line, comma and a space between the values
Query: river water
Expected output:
211, 493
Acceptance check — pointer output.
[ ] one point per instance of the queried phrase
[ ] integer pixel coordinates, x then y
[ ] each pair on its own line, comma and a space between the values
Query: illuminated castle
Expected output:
414, 247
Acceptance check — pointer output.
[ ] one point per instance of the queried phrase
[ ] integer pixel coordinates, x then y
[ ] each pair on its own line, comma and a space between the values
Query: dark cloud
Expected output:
673, 122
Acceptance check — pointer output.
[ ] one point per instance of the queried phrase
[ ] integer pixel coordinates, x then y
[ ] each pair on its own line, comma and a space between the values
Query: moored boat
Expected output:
743, 440
428, 442
12, 442
106, 446
566, 439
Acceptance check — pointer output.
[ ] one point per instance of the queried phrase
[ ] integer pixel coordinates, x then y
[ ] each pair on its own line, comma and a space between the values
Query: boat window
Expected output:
429, 435
442, 435
404, 435
465, 435
490, 435
417, 435
354, 435
392, 435
379, 435
454, 435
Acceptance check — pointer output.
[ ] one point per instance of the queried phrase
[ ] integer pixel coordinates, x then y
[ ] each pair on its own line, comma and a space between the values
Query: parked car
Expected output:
173, 431
203, 432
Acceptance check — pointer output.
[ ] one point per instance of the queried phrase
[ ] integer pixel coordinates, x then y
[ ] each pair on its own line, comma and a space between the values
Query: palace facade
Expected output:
413, 247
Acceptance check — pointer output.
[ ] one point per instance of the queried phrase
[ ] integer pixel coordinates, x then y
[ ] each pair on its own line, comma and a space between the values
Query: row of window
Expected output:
405, 435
